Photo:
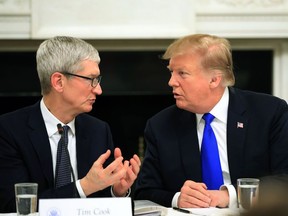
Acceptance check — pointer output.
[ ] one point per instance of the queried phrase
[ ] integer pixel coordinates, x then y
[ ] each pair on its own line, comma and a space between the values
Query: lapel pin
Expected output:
240, 125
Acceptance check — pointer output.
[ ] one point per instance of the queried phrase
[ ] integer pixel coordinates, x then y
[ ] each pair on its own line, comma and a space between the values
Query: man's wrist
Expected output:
232, 195
125, 195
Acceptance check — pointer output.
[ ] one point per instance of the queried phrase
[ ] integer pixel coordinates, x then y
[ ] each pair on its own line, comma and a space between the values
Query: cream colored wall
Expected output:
112, 19
143, 19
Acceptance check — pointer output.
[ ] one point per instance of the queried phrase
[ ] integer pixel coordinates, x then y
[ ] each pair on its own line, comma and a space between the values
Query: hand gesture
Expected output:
120, 188
99, 178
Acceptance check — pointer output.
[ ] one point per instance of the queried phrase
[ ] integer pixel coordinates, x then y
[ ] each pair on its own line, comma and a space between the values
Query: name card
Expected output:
114, 206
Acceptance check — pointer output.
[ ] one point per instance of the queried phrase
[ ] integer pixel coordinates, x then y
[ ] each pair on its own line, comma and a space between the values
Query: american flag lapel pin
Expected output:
240, 125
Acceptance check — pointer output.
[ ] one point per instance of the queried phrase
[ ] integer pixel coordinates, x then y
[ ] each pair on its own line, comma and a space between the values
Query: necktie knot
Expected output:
208, 117
65, 133
65, 128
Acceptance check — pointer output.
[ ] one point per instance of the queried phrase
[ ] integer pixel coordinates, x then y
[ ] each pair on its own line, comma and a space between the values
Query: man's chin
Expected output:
180, 104
88, 109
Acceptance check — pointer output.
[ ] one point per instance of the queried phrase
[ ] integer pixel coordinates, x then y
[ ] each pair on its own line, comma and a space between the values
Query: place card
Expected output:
113, 206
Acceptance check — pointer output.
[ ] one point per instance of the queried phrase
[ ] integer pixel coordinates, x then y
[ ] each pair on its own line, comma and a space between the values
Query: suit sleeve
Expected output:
149, 185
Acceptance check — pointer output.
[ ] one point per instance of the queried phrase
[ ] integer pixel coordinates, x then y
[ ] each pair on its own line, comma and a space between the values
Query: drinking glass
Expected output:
248, 192
26, 198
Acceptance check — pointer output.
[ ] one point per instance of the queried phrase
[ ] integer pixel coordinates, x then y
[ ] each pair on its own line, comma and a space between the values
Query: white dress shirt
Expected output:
51, 126
219, 126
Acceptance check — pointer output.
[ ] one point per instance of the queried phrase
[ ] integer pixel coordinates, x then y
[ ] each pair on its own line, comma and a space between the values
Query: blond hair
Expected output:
215, 52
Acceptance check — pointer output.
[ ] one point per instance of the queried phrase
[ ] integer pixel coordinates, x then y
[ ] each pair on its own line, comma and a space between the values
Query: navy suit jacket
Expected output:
172, 154
25, 154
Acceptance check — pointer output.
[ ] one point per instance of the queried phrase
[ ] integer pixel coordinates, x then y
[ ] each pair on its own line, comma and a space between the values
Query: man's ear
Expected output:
216, 79
57, 81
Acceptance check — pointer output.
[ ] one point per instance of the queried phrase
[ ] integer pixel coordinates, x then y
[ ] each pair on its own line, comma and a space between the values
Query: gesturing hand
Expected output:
120, 188
99, 178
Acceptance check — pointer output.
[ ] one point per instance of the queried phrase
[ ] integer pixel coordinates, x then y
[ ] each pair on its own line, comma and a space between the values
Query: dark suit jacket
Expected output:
172, 154
25, 154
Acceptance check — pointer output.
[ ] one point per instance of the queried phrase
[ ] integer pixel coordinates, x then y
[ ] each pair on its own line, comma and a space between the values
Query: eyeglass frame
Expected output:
98, 78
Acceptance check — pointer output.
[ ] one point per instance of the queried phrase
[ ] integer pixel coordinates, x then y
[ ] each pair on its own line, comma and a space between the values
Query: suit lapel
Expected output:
189, 145
40, 141
236, 132
82, 149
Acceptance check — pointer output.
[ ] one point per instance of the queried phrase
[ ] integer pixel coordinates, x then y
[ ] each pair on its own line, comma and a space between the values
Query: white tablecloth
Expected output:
172, 212
205, 212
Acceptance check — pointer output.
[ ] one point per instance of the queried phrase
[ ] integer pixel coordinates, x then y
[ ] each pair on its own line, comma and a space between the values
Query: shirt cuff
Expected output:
232, 195
126, 195
175, 200
80, 190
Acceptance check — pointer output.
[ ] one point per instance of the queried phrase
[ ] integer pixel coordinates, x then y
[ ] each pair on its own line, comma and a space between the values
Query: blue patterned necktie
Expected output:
211, 167
63, 169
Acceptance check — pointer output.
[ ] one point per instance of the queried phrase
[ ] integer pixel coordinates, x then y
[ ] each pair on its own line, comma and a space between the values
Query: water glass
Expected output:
26, 198
248, 192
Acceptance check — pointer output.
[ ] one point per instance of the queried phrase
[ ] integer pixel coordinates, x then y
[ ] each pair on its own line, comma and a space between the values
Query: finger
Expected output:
126, 165
117, 153
125, 169
121, 173
189, 201
202, 196
131, 176
101, 160
137, 159
134, 166
186, 204
201, 187
114, 166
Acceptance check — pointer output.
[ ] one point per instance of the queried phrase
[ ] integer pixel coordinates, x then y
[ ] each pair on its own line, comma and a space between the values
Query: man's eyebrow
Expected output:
94, 74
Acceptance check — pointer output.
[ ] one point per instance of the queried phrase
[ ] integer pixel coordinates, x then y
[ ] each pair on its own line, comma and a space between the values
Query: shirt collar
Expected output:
220, 109
51, 121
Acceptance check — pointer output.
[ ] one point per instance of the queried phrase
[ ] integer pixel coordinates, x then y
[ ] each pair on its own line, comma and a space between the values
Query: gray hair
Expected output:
62, 53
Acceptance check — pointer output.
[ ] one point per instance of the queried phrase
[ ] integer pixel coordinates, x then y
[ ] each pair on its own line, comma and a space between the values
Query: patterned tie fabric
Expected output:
63, 169
211, 167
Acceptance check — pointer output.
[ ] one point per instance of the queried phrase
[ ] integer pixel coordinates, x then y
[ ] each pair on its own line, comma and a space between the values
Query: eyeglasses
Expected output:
94, 81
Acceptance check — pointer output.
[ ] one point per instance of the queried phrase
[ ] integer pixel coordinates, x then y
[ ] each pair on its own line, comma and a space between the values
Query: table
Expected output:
205, 212
197, 212
147, 205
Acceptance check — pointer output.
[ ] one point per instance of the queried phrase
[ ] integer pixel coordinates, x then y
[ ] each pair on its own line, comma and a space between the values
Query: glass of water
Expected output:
248, 192
26, 198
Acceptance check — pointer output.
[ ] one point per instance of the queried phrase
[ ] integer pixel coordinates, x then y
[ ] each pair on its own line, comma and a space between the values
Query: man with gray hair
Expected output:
68, 69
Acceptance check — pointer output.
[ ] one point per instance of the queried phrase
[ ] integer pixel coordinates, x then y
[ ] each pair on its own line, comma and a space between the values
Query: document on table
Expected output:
148, 208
